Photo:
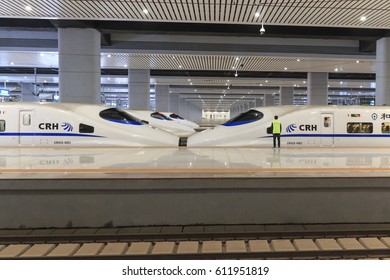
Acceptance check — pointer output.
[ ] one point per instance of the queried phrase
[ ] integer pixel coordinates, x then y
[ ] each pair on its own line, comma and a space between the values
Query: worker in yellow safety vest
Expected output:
276, 129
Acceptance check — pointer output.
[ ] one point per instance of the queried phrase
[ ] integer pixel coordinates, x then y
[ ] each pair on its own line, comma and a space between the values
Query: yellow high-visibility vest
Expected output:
276, 127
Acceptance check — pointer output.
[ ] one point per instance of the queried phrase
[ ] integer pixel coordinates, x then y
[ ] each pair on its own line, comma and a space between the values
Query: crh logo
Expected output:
291, 128
67, 127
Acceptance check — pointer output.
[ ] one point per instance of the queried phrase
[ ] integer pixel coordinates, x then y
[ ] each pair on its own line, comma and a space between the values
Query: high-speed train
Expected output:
181, 120
67, 124
303, 126
164, 122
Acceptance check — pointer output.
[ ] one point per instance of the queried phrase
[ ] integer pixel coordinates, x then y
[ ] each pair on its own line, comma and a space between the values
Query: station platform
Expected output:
103, 187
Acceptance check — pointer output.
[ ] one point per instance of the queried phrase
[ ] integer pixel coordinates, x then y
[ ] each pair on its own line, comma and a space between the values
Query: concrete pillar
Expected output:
174, 103
382, 95
29, 92
269, 100
139, 89
317, 89
182, 107
162, 98
79, 65
286, 96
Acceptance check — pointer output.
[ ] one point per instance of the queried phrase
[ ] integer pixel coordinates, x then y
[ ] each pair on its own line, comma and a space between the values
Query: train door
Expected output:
327, 130
26, 127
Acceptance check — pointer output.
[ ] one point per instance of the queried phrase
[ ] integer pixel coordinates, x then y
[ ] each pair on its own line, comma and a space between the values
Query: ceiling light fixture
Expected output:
145, 11
28, 8
262, 29
363, 18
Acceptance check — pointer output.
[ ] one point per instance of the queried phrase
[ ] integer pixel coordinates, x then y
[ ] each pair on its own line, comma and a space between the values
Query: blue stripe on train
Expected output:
333, 135
49, 134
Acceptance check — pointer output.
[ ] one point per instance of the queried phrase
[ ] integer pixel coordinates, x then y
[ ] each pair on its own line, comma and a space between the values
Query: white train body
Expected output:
162, 121
303, 126
175, 117
67, 124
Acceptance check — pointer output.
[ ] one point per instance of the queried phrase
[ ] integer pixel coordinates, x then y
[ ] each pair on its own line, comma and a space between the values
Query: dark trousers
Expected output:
276, 136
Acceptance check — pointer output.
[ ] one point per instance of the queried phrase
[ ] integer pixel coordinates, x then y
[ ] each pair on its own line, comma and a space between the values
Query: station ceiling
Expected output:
204, 43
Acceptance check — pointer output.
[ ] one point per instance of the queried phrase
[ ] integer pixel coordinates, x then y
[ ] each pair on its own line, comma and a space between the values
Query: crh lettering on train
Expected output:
48, 126
308, 127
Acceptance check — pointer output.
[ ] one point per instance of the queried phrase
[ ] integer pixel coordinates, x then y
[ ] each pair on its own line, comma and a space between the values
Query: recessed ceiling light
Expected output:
145, 11
125, 65
363, 18
28, 8
257, 14
357, 61
109, 55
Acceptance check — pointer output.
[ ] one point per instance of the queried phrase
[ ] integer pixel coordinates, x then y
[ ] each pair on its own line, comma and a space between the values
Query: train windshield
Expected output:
244, 118
159, 116
115, 115
175, 116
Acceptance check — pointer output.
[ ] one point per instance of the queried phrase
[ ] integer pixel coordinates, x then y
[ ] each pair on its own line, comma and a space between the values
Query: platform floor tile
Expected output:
209, 229
63, 231
385, 240
188, 247
172, 229
41, 232
107, 231
259, 246
235, 246
212, 246
163, 248
282, 245
15, 232
139, 248
14, 250
372, 243
254, 228
38, 250
85, 231
193, 229
328, 244
235, 228
150, 230
350, 244
64, 250
89, 249
305, 245
113, 249
129, 230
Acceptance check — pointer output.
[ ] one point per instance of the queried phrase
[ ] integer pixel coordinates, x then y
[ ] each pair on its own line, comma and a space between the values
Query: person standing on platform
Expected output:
276, 129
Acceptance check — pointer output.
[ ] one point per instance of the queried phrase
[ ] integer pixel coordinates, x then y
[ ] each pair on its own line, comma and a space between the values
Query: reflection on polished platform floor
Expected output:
193, 162
100, 187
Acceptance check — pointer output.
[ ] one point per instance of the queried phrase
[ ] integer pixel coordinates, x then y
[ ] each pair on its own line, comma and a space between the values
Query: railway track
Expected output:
213, 242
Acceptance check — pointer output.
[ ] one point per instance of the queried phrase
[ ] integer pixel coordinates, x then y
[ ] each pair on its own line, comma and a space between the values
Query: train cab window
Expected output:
26, 119
359, 127
84, 128
2, 125
116, 115
175, 116
159, 116
385, 127
327, 122
247, 117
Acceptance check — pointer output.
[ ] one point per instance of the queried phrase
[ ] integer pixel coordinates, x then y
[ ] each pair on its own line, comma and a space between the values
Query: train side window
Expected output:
84, 128
327, 122
26, 119
385, 127
359, 127
2, 125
